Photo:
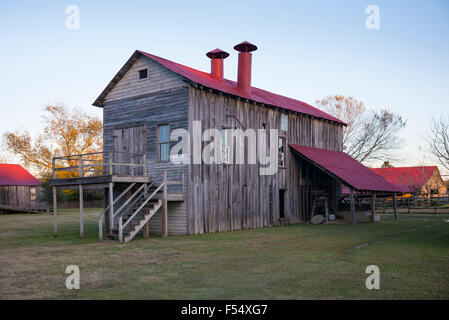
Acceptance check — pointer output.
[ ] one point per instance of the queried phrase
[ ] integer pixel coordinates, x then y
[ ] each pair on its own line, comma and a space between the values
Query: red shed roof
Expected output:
347, 169
409, 179
16, 175
223, 85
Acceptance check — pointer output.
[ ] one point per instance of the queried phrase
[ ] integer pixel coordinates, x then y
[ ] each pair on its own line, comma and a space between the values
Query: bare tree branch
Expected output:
367, 137
438, 140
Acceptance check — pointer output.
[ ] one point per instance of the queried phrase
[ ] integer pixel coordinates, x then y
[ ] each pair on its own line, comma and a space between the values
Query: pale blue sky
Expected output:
307, 50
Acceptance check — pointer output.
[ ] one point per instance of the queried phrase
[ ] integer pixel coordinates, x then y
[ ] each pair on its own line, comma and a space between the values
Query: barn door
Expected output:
129, 144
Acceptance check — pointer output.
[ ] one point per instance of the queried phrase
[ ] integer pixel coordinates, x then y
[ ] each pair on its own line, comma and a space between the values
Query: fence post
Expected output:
395, 206
373, 207
408, 205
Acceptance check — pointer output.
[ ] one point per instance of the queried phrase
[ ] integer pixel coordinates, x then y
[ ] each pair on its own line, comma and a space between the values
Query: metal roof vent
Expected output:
244, 73
216, 66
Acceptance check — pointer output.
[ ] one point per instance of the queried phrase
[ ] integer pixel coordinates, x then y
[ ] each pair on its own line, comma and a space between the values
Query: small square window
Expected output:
143, 74
33, 194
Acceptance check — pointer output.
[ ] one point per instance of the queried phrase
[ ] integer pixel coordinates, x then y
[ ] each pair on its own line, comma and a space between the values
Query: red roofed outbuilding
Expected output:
19, 189
420, 179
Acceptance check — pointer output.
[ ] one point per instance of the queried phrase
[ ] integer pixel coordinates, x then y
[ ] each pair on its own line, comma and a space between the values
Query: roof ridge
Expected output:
257, 94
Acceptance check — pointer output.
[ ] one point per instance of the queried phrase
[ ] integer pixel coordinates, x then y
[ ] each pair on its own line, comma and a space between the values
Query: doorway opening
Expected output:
281, 203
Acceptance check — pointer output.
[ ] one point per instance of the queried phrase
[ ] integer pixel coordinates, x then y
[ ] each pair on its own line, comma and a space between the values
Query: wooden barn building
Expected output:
19, 190
151, 98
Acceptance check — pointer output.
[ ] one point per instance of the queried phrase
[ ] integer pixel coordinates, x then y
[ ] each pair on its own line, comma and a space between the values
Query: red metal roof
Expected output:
226, 86
230, 87
346, 168
16, 175
409, 179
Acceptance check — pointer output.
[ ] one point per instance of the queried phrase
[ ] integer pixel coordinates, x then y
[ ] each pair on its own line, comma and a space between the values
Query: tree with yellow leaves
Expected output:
67, 132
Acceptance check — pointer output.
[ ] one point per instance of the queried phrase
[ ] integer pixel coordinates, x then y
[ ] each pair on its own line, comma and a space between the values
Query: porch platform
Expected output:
98, 181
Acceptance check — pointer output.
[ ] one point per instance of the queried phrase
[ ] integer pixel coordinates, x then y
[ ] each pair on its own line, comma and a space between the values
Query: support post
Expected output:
132, 165
53, 164
395, 206
110, 163
100, 228
373, 207
111, 207
146, 230
183, 182
120, 229
164, 212
81, 166
351, 199
55, 212
81, 211
326, 209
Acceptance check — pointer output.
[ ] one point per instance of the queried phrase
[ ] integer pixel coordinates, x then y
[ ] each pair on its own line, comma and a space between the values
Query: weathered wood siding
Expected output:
231, 197
219, 197
19, 198
176, 219
163, 98
130, 86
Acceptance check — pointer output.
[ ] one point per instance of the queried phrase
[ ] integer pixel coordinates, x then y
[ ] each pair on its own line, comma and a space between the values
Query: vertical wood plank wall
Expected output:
219, 197
224, 198
19, 197
161, 99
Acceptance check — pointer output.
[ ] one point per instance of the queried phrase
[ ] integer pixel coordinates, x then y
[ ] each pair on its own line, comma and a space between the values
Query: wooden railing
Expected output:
99, 164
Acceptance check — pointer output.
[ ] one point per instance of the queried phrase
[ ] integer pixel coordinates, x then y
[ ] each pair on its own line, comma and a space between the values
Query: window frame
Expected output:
33, 194
284, 116
284, 143
159, 143
228, 145
139, 71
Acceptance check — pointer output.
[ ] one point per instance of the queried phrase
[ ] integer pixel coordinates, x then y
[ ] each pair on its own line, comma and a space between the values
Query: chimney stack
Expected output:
244, 73
216, 64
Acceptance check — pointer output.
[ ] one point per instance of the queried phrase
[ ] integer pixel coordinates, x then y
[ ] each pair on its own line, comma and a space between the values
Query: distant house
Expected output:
422, 179
19, 190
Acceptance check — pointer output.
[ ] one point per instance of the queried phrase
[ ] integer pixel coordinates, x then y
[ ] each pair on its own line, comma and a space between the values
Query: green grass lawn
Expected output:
296, 262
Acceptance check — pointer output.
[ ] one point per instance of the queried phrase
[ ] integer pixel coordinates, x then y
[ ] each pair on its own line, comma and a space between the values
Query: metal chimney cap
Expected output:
245, 46
217, 54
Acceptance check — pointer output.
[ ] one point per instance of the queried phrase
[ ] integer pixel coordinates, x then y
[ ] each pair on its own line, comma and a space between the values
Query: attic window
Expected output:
143, 74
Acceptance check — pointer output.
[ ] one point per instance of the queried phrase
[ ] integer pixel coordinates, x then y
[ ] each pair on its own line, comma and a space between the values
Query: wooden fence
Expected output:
440, 205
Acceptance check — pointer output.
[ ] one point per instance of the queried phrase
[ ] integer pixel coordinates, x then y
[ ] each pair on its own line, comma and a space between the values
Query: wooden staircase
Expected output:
137, 222
134, 212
